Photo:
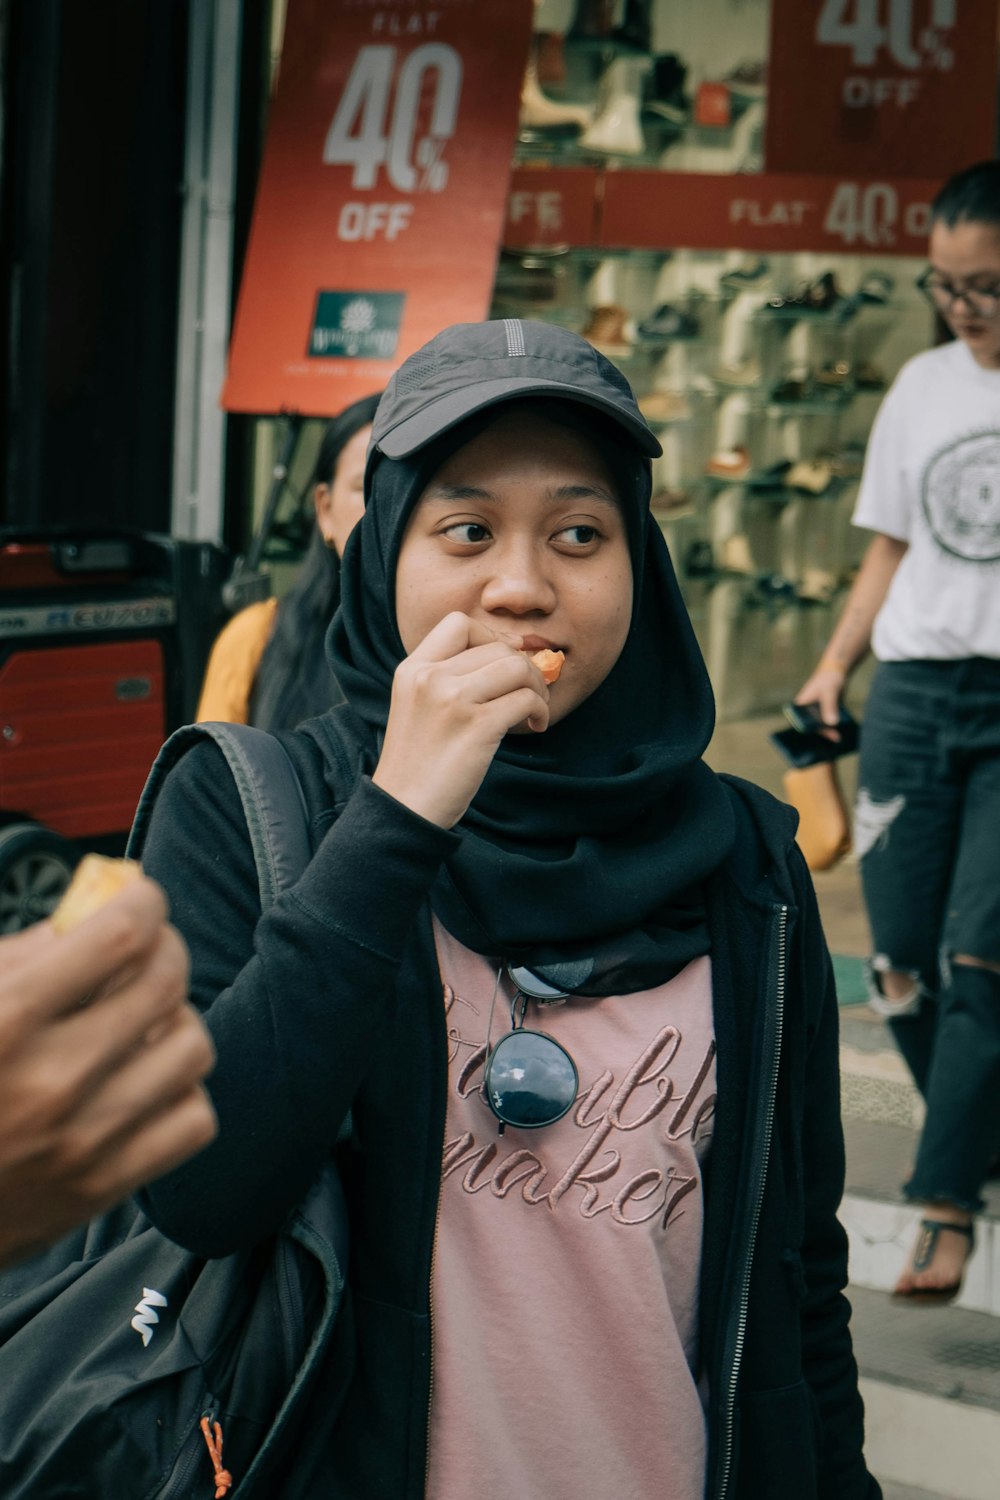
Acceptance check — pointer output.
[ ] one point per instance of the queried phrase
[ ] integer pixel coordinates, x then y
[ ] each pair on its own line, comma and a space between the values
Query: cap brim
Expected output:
447, 411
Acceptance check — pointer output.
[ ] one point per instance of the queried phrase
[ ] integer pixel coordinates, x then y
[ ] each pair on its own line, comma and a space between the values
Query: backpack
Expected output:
128, 1363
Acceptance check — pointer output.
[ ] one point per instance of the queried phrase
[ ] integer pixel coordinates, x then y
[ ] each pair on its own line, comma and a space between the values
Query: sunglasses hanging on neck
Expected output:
529, 1079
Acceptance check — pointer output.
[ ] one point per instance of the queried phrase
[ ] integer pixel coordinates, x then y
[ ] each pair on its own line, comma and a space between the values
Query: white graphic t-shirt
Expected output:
932, 479
565, 1280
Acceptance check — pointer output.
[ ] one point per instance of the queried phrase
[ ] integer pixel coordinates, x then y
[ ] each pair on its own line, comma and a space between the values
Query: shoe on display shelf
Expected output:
668, 323
669, 501
771, 591
615, 129
699, 560
748, 139
731, 464
736, 554
876, 286
664, 95
874, 291
794, 387
537, 278
814, 475
609, 329
743, 278
771, 478
846, 462
547, 144
868, 377
820, 296
817, 585
661, 407
743, 376
834, 374
748, 79
539, 112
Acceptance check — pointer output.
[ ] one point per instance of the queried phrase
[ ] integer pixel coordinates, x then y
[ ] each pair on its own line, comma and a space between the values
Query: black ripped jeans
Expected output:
927, 829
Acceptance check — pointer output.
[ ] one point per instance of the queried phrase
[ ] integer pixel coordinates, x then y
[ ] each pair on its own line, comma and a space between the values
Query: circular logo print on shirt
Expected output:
961, 497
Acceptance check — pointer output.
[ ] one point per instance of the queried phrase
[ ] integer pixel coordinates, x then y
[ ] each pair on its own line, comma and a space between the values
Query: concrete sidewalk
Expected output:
892, 1491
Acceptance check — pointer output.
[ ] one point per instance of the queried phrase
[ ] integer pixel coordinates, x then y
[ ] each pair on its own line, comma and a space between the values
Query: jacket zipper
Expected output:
430, 1286
430, 1372
192, 1456
758, 1179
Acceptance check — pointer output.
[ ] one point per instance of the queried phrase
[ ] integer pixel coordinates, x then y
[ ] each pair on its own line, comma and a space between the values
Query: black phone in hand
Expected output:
804, 744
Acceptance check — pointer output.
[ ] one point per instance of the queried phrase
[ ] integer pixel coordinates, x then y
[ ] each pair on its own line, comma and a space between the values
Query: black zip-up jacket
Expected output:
332, 1001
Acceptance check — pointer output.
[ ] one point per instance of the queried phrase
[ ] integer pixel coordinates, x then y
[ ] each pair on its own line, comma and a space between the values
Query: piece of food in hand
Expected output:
95, 880
549, 663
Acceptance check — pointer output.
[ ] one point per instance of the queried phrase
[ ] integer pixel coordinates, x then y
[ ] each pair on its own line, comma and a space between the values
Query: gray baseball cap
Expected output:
474, 365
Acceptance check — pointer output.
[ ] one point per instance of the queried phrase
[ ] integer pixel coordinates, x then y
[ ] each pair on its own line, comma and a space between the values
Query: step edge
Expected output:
890, 1455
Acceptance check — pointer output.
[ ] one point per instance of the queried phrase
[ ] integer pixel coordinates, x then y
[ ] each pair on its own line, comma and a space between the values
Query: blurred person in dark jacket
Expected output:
268, 666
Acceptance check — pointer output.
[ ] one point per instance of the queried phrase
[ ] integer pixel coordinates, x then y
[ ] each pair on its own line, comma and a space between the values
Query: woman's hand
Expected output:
453, 700
852, 635
825, 687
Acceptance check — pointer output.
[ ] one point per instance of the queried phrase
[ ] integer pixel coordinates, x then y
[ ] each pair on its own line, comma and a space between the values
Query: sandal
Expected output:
923, 1255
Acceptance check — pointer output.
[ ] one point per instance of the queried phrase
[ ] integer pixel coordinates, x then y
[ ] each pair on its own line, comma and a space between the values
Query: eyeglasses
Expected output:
529, 1079
982, 302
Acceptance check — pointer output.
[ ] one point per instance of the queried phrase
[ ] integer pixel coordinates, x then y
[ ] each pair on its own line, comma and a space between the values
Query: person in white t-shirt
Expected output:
927, 602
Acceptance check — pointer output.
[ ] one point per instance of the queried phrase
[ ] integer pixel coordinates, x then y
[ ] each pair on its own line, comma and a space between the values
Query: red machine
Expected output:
103, 639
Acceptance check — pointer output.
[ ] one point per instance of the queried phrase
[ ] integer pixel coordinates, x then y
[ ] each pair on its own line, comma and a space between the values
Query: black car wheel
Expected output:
36, 866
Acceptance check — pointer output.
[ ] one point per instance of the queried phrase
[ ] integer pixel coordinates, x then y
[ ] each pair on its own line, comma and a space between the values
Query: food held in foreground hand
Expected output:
549, 663
95, 880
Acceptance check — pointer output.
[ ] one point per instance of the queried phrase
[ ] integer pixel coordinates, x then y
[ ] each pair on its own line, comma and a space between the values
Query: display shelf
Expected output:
813, 406
605, 48
836, 316
653, 347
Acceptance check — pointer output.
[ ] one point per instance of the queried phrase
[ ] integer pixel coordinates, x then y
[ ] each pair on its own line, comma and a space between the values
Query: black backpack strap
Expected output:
273, 803
343, 758
270, 791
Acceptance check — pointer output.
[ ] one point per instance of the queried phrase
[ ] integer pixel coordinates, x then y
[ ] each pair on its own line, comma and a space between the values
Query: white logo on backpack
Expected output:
146, 1314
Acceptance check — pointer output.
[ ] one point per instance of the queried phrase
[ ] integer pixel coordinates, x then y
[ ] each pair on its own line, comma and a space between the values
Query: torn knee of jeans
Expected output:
873, 819
892, 1007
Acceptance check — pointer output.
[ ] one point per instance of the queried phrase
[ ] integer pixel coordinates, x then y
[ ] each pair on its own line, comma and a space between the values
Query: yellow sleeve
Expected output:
232, 666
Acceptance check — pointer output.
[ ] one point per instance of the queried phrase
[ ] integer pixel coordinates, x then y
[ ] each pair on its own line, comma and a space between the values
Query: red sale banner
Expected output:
881, 88
766, 211
382, 194
552, 206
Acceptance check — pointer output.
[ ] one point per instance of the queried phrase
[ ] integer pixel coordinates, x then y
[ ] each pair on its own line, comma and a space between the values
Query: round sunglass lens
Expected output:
530, 1080
536, 989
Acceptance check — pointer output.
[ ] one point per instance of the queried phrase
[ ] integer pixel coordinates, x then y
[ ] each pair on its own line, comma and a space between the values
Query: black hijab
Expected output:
584, 853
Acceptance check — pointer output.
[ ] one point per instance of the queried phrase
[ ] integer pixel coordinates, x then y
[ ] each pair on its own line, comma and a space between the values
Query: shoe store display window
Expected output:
642, 83
760, 372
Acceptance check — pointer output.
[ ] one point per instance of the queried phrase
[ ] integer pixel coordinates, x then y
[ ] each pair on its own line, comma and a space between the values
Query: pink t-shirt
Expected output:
565, 1280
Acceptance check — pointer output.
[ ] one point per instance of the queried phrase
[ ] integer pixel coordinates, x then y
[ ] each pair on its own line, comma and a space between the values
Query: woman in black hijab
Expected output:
570, 984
